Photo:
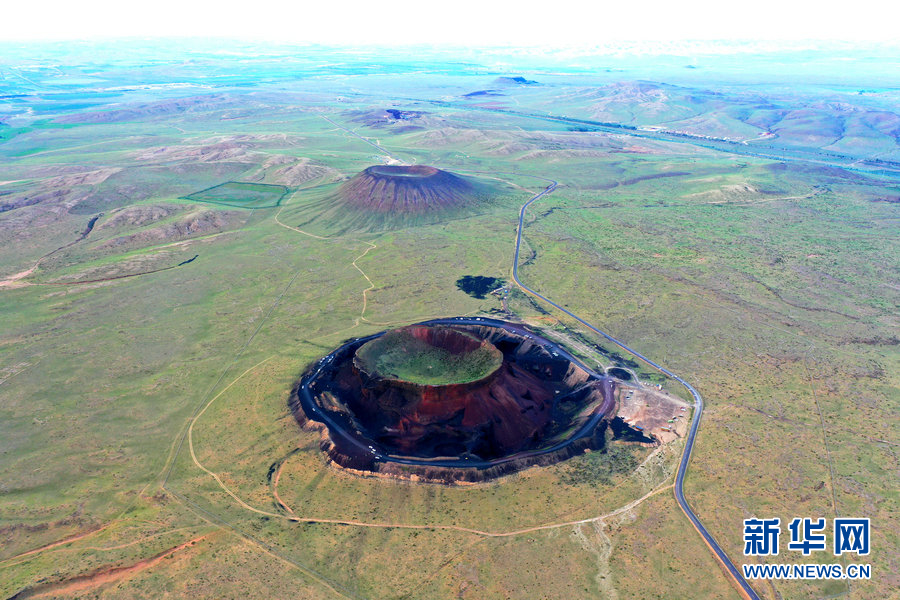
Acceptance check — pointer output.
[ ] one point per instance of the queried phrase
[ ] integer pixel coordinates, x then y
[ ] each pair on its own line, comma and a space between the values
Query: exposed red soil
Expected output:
61, 542
99, 576
451, 340
513, 404
406, 189
652, 410
502, 413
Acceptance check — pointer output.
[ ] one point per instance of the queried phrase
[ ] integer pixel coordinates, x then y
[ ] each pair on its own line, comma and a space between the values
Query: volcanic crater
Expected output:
453, 401
407, 189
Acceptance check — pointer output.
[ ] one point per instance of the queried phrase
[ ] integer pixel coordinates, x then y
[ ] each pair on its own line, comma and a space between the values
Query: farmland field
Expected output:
242, 195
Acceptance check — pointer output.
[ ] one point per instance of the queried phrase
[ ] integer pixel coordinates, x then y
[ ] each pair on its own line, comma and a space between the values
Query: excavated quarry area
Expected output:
453, 401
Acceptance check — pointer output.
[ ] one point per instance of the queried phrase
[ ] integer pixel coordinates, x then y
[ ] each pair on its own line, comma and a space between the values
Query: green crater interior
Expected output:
437, 356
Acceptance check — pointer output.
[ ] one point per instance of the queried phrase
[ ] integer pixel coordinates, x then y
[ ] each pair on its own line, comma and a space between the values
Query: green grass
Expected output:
239, 194
400, 355
602, 467
100, 382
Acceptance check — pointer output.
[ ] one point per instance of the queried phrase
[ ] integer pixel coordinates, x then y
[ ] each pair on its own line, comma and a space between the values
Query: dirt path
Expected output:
374, 144
115, 277
292, 228
349, 522
488, 534
190, 437
382, 525
365, 292
278, 499
371, 287
137, 541
100, 576
12, 279
62, 542
370, 247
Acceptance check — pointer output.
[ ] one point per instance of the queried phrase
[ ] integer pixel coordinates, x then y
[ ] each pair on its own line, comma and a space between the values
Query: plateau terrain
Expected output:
313, 322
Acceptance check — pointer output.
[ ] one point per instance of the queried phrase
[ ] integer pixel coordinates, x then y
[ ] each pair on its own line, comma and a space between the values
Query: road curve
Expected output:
698, 405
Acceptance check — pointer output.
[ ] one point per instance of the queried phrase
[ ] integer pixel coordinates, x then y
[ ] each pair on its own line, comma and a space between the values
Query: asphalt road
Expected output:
698, 406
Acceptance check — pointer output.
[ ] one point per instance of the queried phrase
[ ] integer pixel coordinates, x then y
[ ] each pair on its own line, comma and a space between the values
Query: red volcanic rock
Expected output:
451, 340
508, 409
500, 413
406, 189
507, 405
536, 407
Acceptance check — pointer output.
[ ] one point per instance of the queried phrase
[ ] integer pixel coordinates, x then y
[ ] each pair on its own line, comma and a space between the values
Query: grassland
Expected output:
145, 413
240, 194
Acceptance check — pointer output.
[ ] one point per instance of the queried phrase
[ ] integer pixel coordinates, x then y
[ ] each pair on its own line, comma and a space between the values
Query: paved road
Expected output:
365, 139
698, 405
337, 429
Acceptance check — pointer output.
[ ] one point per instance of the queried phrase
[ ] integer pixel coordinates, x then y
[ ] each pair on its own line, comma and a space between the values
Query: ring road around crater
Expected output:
539, 406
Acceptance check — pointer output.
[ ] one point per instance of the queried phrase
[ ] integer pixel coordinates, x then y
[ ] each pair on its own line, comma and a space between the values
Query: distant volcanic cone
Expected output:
415, 189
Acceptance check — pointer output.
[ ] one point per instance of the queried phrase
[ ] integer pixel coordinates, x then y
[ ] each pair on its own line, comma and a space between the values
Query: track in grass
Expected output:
240, 194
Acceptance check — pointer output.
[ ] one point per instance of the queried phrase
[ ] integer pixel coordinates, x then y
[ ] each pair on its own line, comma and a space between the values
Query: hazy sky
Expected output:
458, 22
